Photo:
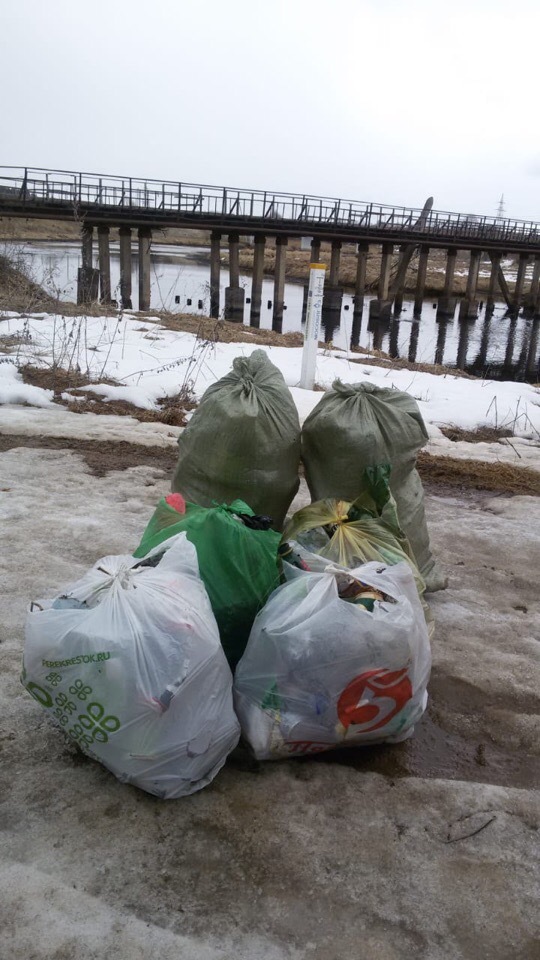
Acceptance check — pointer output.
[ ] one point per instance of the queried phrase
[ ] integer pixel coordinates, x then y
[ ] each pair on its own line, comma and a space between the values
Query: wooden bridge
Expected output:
130, 203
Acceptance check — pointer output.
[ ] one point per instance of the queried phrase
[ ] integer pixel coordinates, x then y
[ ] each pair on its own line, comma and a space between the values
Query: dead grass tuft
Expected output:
467, 474
478, 435
380, 359
58, 379
222, 331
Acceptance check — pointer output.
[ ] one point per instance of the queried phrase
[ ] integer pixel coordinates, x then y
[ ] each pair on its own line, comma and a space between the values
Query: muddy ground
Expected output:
427, 849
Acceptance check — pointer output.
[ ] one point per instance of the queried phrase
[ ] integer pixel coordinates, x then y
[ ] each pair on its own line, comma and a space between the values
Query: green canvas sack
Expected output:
243, 441
359, 425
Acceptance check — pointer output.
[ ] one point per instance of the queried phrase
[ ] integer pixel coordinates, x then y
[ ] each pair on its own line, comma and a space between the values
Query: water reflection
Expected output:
463, 343
180, 282
442, 327
413, 342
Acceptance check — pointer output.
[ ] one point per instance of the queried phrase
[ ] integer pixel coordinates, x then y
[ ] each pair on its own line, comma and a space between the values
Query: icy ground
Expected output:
428, 849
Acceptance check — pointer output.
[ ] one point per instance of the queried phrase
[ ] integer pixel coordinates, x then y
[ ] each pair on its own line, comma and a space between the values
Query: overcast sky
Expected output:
380, 100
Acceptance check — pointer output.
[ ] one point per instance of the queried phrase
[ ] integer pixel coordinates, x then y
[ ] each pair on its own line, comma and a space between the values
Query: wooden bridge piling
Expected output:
493, 279
447, 303
87, 276
234, 293
104, 259
468, 308
520, 281
421, 281
257, 281
359, 292
279, 284
144, 235
215, 267
382, 306
125, 268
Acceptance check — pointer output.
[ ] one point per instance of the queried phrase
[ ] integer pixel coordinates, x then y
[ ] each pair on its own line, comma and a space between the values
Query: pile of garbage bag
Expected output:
323, 623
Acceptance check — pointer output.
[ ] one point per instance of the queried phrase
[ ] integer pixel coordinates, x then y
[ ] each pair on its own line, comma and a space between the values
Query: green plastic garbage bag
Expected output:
238, 565
243, 441
359, 425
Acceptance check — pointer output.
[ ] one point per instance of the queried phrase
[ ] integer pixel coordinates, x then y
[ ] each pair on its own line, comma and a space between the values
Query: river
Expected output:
495, 346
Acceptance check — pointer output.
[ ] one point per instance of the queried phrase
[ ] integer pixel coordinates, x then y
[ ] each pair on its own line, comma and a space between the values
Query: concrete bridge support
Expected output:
257, 282
359, 292
520, 281
468, 309
125, 268
493, 279
447, 303
279, 284
421, 281
215, 267
145, 242
87, 277
234, 293
104, 253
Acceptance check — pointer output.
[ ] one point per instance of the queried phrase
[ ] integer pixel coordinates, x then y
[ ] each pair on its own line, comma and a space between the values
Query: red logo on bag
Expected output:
373, 698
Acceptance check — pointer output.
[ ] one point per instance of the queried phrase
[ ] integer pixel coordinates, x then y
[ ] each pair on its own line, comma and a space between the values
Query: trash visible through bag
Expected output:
128, 663
237, 557
323, 670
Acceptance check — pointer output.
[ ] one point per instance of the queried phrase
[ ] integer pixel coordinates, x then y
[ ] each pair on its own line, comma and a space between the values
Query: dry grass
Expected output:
58, 379
478, 435
463, 475
172, 409
379, 359
221, 331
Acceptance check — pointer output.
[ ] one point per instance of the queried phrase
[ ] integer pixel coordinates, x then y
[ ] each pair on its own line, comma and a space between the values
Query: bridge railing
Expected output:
32, 187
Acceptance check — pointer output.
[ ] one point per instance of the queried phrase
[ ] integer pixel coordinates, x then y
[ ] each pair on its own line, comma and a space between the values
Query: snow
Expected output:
13, 390
155, 363
59, 422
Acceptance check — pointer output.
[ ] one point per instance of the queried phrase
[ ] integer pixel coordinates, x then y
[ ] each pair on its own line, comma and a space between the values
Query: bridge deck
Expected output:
116, 201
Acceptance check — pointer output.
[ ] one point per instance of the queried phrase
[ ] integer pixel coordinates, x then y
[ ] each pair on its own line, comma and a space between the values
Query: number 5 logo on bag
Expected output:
372, 699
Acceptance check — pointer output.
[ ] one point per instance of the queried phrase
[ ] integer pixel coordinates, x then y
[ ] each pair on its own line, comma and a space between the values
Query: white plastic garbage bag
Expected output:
129, 663
321, 672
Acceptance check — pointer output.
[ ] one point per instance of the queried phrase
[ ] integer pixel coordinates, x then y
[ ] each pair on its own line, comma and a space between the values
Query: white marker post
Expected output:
313, 324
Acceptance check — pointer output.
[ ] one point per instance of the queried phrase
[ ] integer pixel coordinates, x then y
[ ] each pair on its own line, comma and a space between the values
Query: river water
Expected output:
495, 346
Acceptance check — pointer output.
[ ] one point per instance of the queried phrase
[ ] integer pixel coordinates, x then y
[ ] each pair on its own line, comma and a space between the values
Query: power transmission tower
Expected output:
501, 209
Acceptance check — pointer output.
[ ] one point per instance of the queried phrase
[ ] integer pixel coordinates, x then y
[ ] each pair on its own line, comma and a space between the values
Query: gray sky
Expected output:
380, 100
